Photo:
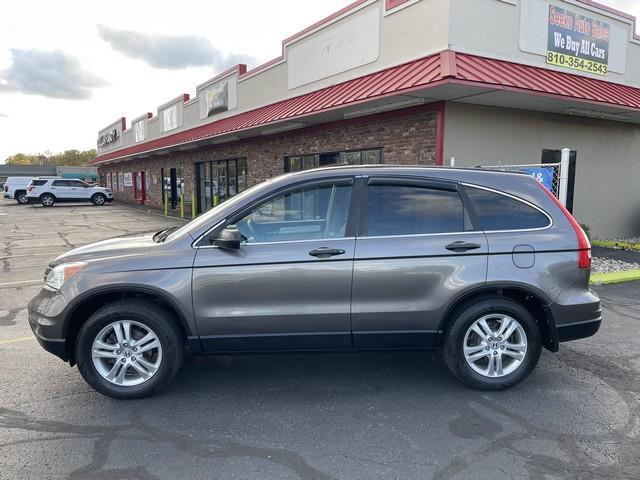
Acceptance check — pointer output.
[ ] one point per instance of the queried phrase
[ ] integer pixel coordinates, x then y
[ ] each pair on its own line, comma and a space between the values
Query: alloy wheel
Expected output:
495, 345
126, 353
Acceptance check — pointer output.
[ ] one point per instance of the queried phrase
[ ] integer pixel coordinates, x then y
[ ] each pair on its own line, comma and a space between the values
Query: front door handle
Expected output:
461, 246
326, 252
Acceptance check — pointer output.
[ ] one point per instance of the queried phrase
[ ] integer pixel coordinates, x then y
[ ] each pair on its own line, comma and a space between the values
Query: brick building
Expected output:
406, 82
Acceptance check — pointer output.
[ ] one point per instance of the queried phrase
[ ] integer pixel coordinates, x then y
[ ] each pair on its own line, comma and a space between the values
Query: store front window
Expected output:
297, 163
172, 186
220, 180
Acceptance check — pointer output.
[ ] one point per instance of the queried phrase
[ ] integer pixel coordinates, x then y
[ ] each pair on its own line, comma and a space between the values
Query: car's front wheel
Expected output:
129, 349
492, 344
98, 199
47, 200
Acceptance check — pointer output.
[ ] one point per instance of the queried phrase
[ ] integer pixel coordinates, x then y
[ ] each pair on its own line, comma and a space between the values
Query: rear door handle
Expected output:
461, 246
326, 252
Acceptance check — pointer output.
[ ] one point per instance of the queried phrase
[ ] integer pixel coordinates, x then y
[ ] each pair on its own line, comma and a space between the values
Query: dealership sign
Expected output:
542, 175
577, 42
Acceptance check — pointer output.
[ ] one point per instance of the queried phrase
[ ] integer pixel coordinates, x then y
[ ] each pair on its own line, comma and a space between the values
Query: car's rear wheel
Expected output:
492, 343
129, 349
98, 199
21, 197
47, 200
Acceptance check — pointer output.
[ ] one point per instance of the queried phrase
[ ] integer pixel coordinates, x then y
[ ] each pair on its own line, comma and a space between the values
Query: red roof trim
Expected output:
431, 71
391, 4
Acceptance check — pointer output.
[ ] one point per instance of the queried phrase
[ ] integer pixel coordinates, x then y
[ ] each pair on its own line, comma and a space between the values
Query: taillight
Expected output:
584, 245
29, 189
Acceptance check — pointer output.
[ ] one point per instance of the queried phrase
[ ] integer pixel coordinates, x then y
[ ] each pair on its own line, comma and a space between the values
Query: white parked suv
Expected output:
51, 190
16, 188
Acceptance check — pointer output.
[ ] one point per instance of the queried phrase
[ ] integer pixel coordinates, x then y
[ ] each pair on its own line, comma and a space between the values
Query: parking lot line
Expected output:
17, 340
31, 255
22, 282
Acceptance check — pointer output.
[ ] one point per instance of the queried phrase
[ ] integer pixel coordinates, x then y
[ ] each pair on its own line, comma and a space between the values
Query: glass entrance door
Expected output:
219, 181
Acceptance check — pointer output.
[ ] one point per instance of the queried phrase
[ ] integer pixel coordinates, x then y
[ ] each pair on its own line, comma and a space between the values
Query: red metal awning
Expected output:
444, 68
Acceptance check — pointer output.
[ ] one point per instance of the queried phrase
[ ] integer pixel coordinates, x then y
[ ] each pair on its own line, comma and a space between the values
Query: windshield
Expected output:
205, 219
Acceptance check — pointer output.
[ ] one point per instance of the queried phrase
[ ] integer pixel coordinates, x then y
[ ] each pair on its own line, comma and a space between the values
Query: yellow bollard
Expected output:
193, 205
166, 204
182, 205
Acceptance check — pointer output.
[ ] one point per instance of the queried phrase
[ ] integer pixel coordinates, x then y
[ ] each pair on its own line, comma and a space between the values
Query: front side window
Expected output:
412, 210
310, 213
500, 212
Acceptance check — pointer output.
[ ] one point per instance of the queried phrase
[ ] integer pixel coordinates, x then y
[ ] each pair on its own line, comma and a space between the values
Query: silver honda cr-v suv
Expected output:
487, 267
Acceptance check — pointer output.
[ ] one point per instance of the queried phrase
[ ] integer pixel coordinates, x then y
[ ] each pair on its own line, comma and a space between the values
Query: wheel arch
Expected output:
88, 304
17, 192
535, 301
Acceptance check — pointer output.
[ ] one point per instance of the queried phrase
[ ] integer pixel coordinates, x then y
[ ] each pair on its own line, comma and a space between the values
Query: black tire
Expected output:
99, 199
464, 317
21, 197
47, 200
158, 319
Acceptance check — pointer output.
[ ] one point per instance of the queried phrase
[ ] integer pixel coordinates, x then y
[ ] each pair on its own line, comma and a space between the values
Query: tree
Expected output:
67, 158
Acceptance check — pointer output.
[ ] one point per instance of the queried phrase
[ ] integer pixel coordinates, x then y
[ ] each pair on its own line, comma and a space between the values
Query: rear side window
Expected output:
38, 183
499, 212
61, 183
411, 210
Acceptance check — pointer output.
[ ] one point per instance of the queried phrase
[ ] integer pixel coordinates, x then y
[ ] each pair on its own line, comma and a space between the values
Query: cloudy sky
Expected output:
68, 68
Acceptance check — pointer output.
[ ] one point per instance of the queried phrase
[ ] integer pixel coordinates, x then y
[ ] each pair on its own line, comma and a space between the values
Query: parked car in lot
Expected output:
15, 188
48, 191
488, 267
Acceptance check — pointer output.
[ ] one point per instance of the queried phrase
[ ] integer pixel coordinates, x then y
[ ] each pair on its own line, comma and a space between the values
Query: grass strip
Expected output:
614, 277
615, 244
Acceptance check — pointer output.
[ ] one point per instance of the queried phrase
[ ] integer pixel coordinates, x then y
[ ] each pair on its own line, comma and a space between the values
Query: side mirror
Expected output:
230, 238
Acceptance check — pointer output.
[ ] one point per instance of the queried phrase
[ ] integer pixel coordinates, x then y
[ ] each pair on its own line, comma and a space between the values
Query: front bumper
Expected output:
46, 319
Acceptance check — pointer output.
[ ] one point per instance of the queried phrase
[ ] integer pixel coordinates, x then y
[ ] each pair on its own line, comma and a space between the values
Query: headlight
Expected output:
61, 273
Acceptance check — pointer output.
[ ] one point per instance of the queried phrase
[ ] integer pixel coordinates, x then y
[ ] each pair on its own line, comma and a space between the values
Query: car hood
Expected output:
119, 246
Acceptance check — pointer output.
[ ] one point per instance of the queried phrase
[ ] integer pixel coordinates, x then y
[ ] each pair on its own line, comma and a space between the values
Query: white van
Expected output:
16, 188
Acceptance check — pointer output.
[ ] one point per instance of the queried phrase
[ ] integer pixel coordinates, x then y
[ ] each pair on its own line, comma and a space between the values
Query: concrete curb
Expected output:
614, 244
614, 277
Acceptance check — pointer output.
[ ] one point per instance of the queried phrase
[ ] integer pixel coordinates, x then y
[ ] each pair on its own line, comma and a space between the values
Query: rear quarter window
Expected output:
38, 183
495, 211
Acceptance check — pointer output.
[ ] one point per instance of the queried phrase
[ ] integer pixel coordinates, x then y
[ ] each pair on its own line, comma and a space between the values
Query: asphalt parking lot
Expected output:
360, 416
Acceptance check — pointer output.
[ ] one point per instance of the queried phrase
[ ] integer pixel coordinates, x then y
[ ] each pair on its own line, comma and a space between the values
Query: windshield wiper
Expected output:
162, 235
